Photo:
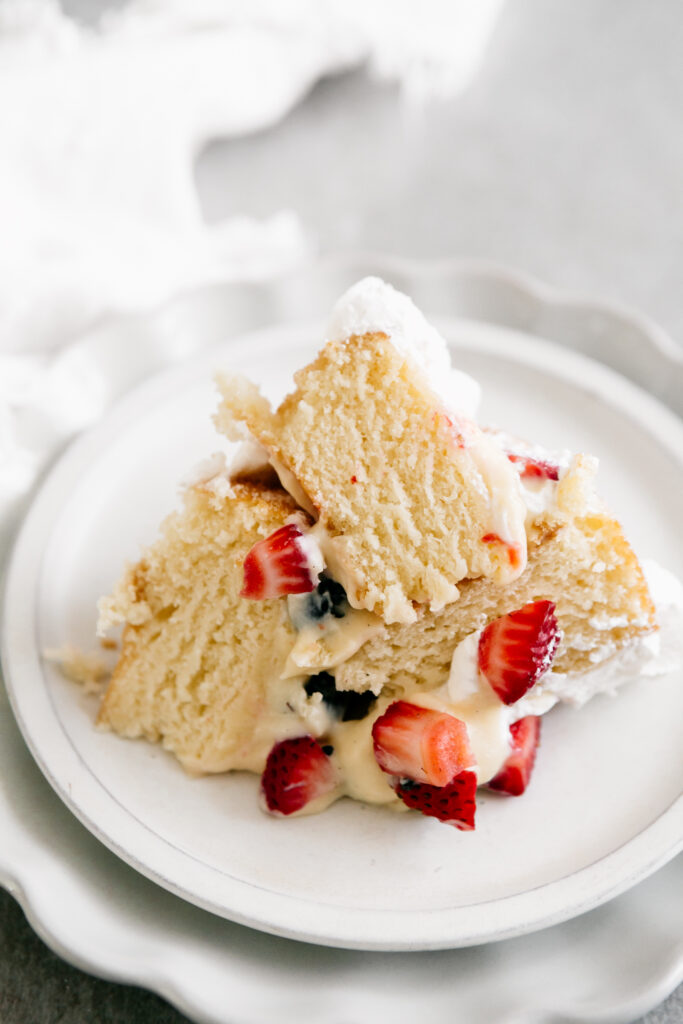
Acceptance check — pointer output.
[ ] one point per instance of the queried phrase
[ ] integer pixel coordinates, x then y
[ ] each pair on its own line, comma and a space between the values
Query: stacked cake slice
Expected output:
379, 598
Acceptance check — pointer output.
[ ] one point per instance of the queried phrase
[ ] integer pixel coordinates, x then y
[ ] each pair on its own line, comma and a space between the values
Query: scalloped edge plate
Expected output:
466, 287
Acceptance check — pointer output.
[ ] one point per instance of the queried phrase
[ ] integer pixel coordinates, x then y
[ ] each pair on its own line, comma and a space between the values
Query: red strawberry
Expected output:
516, 649
454, 804
513, 778
297, 771
421, 744
529, 467
278, 565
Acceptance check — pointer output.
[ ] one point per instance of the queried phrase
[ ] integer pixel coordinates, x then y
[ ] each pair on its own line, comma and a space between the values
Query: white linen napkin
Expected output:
100, 128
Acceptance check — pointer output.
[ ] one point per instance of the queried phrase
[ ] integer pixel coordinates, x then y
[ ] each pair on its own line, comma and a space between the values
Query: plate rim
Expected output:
673, 816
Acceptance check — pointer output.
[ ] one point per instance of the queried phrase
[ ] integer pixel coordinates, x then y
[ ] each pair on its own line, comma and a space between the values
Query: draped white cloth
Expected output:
100, 127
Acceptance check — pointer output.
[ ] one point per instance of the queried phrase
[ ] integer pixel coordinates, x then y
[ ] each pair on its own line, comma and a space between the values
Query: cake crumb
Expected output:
89, 669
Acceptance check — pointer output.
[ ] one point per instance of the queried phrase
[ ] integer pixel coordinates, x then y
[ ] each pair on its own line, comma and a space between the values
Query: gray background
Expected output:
564, 158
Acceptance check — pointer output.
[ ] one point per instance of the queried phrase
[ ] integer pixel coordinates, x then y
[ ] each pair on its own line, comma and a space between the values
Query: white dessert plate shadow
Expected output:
604, 809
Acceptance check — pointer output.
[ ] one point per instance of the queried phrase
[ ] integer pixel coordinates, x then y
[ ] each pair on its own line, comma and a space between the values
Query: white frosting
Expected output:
650, 655
205, 470
211, 475
471, 699
249, 458
539, 495
465, 679
507, 513
372, 305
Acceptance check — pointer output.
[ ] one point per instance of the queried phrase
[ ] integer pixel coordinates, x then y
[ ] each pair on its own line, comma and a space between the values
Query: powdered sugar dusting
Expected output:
373, 305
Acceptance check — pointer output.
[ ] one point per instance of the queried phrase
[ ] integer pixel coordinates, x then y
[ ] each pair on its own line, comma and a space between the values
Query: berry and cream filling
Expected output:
426, 750
466, 724
646, 656
290, 562
283, 563
329, 630
540, 475
430, 751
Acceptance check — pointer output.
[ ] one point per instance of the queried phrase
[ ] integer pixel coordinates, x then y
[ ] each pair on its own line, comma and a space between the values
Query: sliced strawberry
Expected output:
529, 467
516, 649
421, 744
513, 778
297, 771
454, 803
278, 565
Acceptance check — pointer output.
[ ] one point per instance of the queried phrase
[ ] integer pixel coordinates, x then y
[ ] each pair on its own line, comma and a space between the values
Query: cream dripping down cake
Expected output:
378, 598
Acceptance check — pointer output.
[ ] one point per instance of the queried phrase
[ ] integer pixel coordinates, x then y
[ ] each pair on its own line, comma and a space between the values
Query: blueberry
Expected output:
346, 705
329, 598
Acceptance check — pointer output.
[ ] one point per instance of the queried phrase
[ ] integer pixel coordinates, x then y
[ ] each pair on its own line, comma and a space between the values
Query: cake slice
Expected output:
265, 630
410, 496
196, 659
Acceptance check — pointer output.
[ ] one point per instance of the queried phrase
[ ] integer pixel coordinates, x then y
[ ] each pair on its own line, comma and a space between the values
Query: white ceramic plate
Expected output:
605, 807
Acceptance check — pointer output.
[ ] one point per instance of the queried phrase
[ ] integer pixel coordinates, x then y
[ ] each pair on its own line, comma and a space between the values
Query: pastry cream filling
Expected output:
292, 486
468, 696
322, 644
507, 507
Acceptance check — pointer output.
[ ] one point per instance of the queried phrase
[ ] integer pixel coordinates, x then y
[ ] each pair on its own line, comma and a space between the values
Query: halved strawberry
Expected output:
297, 771
513, 778
421, 744
516, 649
529, 467
454, 803
278, 565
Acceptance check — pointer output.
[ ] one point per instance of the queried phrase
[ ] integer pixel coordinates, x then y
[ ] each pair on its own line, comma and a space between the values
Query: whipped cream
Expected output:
540, 497
211, 475
652, 654
372, 305
205, 470
250, 459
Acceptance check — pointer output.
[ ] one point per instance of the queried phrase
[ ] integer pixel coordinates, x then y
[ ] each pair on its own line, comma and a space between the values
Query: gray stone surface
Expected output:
36, 987
564, 158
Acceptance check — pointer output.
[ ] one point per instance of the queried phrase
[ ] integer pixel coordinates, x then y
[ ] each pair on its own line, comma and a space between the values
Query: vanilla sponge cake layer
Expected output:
412, 497
200, 667
586, 567
196, 658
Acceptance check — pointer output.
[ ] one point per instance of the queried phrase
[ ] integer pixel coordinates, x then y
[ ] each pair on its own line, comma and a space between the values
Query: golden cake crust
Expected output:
196, 657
